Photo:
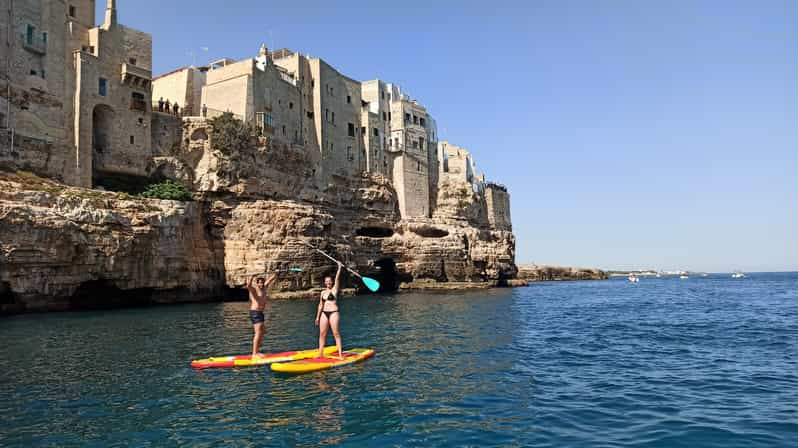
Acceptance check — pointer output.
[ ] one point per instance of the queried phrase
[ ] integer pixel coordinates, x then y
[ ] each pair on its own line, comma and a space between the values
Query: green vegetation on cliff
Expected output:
170, 190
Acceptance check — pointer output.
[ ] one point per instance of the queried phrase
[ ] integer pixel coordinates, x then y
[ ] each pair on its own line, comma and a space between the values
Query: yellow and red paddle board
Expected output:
246, 360
313, 364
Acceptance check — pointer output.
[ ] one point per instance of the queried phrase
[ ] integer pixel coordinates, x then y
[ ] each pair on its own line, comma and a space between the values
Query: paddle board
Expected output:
314, 364
246, 360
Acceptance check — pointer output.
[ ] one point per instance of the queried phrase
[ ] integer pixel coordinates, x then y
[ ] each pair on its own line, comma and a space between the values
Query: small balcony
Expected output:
34, 44
135, 75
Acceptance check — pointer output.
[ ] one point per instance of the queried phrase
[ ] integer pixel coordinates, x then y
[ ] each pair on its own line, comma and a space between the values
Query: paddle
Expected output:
281, 271
371, 284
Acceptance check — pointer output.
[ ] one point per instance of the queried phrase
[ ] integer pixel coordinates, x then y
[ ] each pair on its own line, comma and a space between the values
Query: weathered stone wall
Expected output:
61, 247
498, 204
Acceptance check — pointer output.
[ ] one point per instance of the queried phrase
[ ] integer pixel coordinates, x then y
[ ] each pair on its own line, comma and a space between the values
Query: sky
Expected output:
630, 134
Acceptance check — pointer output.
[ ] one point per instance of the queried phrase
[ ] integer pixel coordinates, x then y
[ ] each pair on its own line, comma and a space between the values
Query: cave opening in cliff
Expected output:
375, 232
102, 294
121, 182
386, 275
431, 232
6, 295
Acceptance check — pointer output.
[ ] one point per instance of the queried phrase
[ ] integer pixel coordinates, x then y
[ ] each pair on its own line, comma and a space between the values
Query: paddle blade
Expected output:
295, 270
371, 284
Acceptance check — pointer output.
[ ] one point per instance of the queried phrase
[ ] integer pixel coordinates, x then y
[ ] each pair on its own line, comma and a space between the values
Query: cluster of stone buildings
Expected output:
86, 93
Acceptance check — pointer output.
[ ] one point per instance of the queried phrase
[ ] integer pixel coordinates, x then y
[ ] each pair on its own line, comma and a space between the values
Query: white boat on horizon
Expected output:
633, 278
684, 277
738, 275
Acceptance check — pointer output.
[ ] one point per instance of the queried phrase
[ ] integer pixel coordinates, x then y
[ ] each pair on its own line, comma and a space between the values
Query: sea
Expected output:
701, 362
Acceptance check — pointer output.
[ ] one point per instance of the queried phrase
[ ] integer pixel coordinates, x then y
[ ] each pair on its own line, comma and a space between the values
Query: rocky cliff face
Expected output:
538, 273
256, 207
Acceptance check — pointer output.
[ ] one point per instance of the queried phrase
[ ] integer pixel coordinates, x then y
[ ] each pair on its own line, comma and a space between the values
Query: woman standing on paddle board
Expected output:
327, 315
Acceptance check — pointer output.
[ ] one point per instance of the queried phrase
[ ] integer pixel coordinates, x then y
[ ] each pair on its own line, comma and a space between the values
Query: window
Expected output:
351, 129
283, 129
418, 166
422, 122
290, 105
384, 116
44, 38
348, 99
333, 118
33, 72
312, 83
268, 120
415, 119
349, 155
415, 144
132, 61
103, 88
132, 140
382, 94
331, 91
310, 114
72, 11
137, 102
389, 116
327, 114
29, 34
376, 132
407, 118
421, 143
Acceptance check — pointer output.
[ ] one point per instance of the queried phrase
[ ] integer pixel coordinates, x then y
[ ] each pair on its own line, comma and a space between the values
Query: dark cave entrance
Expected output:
375, 232
6, 295
386, 274
102, 294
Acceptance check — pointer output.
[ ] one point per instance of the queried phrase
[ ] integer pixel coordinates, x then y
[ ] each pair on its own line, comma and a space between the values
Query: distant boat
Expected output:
633, 278
738, 275
704, 275
684, 277
658, 275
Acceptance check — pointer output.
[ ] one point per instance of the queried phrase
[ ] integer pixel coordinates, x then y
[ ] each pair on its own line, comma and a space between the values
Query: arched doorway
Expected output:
102, 125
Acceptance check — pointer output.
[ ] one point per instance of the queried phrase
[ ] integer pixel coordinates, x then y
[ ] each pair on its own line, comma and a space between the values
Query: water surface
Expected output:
700, 362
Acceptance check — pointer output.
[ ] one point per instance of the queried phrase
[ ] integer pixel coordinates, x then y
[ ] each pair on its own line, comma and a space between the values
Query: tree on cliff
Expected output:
229, 134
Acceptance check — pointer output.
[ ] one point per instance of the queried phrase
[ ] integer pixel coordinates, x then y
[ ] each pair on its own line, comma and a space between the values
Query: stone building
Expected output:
79, 91
183, 86
409, 136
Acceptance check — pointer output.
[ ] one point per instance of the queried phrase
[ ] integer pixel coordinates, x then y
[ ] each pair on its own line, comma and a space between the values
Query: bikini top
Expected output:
330, 297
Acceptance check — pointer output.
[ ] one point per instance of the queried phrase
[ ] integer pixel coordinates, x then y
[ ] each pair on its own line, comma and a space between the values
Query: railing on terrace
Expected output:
213, 113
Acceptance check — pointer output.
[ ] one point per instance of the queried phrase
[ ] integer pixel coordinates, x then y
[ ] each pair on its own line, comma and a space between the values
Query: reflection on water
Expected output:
661, 363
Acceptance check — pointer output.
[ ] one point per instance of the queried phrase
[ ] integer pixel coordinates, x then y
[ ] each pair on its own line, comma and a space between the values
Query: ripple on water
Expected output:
662, 363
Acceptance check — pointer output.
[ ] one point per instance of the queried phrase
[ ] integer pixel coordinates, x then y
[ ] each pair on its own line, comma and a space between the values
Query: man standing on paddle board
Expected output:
327, 315
257, 303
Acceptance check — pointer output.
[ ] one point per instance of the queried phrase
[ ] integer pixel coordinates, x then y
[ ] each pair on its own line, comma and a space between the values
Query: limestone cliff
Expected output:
537, 273
255, 207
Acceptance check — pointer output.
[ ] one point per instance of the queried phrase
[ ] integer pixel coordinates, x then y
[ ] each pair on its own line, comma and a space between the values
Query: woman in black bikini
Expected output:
327, 314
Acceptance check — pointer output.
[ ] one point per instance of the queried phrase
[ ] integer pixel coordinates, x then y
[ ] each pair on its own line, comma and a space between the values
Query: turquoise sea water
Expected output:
696, 363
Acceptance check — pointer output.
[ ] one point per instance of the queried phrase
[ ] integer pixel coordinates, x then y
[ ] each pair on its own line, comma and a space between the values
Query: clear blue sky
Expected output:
630, 133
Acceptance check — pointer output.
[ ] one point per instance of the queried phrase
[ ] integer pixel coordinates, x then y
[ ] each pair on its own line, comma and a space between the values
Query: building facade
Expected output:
81, 88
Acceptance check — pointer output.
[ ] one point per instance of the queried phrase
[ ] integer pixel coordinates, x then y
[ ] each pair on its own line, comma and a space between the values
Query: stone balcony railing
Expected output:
136, 75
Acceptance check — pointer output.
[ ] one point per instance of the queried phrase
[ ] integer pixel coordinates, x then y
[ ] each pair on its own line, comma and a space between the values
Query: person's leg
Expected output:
334, 319
323, 325
258, 327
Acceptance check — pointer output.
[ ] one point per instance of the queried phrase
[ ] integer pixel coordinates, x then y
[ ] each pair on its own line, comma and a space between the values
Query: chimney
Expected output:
110, 14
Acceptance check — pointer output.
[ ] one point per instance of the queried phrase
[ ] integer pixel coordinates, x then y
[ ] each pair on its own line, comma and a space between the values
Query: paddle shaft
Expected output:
333, 259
